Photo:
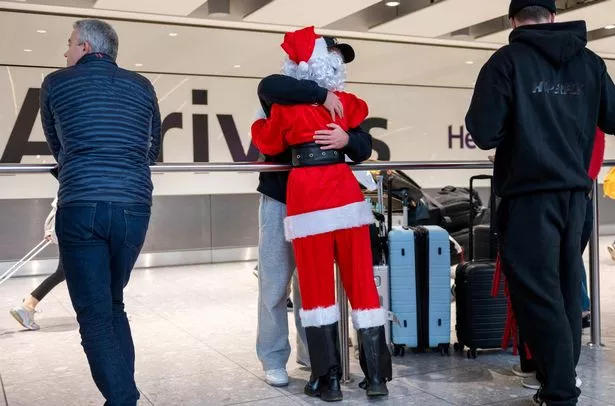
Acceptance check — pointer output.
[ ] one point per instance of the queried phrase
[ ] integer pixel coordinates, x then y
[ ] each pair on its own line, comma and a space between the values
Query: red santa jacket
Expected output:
323, 198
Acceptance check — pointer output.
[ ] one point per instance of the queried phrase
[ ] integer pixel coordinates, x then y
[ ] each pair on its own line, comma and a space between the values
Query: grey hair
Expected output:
100, 35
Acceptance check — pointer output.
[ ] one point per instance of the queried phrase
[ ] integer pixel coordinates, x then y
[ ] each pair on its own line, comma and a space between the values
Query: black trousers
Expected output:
540, 237
528, 365
50, 282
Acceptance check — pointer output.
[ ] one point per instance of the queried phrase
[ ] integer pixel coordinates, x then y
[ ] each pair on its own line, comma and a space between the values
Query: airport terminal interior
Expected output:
192, 298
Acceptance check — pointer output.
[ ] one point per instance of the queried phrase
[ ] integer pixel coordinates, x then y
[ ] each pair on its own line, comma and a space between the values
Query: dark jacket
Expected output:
282, 89
102, 125
538, 101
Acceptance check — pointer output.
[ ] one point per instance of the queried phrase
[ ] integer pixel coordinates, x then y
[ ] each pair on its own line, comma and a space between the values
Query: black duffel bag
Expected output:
450, 208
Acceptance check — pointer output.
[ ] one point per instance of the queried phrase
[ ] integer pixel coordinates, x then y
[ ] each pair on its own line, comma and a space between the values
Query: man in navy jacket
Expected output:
102, 124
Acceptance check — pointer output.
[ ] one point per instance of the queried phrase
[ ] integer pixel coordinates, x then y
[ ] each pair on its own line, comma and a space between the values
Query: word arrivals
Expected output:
19, 144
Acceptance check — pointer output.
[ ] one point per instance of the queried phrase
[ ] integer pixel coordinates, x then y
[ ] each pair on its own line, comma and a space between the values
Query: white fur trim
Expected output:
324, 221
260, 114
369, 318
320, 49
320, 316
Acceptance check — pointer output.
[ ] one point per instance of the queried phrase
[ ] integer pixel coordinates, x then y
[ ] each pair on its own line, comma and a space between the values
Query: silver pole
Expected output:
11, 169
344, 331
266, 167
594, 271
380, 203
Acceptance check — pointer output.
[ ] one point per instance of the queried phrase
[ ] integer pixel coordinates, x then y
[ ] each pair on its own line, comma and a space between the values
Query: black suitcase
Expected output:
484, 240
481, 318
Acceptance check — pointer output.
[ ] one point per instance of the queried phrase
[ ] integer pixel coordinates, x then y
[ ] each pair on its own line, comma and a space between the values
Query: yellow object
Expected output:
609, 184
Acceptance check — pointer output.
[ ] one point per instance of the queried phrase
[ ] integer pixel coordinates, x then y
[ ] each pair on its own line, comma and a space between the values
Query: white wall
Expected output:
418, 121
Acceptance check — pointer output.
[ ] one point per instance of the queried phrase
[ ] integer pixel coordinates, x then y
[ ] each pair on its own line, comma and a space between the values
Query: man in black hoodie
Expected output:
276, 259
539, 101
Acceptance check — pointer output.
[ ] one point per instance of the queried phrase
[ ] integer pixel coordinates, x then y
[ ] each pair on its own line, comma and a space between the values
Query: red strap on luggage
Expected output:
511, 330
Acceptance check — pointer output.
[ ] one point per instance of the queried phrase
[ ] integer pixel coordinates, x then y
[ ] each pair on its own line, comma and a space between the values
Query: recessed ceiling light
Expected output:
138, 65
172, 34
392, 3
42, 31
469, 62
610, 27
27, 50
236, 66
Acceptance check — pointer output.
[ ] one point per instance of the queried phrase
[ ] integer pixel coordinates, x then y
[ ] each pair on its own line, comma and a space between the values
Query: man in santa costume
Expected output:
327, 220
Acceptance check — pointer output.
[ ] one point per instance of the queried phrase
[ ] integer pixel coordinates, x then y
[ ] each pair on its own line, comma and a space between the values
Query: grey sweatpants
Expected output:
276, 268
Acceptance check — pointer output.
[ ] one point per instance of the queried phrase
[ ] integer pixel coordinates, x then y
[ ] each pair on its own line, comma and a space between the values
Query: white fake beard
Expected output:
328, 72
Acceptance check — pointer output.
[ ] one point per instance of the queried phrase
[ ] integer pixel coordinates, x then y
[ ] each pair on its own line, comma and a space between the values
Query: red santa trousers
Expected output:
351, 249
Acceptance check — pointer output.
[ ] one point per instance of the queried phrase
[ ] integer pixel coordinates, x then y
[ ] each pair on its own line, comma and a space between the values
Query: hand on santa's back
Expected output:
334, 138
334, 105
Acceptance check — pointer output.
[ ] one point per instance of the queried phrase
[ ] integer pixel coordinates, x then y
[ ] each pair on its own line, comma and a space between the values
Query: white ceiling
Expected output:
595, 16
307, 12
444, 17
175, 7
439, 19
251, 48
215, 51
498, 37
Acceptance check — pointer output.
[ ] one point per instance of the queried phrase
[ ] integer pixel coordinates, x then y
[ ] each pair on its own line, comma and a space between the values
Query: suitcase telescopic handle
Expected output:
389, 180
472, 216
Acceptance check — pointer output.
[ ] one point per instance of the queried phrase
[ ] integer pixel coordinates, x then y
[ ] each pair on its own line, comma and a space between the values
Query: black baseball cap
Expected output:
345, 49
518, 5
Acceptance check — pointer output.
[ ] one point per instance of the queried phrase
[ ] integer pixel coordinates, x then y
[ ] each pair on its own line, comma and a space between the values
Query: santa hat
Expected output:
304, 45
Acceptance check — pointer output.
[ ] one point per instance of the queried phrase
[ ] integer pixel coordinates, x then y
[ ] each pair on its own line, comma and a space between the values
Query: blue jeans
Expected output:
99, 244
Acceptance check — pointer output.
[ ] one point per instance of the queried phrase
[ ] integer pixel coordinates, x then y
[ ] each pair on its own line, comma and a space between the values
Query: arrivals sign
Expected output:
207, 119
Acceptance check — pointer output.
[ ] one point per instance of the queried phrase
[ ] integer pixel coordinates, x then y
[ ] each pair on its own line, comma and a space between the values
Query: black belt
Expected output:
310, 154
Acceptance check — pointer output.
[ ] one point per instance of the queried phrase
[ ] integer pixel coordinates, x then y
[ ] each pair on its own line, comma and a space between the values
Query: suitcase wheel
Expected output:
444, 349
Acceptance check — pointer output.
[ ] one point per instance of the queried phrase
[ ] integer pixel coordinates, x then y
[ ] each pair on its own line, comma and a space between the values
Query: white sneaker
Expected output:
531, 382
516, 369
25, 317
276, 377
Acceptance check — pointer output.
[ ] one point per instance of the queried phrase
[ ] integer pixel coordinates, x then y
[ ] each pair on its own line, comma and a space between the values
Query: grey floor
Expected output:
194, 330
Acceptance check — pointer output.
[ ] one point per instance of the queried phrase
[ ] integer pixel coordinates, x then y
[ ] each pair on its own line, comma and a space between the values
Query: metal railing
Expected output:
594, 257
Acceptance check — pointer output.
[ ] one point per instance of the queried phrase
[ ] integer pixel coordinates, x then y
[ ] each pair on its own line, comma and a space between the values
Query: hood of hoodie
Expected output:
558, 42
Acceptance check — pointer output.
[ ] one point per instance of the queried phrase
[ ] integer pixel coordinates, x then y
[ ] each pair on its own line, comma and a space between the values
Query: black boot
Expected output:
323, 344
375, 361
